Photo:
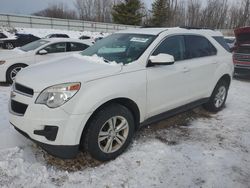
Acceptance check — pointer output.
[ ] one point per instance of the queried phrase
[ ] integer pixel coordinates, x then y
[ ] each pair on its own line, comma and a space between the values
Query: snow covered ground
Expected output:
44, 32
194, 149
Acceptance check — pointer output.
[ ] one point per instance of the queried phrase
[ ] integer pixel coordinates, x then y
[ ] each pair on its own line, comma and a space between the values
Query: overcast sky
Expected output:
31, 6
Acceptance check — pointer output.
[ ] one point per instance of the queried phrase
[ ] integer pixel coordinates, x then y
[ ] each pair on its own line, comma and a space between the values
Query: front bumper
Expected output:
64, 152
36, 117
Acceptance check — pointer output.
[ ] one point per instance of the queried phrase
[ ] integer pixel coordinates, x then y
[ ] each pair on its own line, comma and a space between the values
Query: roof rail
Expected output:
190, 27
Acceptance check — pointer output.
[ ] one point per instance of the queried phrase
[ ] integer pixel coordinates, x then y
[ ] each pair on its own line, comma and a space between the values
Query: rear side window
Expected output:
74, 46
198, 46
56, 48
222, 42
174, 46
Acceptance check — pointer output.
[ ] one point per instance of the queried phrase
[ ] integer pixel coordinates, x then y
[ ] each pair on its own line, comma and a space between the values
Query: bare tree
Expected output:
57, 11
94, 10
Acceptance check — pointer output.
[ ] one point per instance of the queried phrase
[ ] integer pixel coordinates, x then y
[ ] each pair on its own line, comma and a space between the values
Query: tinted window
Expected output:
62, 36
198, 46
74, 46
84, 37
56, 48
33, 45
174, 46
222, 42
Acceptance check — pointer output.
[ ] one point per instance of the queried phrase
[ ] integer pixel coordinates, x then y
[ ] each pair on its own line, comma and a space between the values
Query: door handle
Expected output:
185, 69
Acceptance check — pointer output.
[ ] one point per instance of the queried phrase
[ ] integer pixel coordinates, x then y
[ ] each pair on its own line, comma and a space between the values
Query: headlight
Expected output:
57, 95
2, 62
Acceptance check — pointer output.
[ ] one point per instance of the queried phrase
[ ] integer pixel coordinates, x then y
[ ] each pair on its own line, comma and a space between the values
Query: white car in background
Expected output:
230, 41
12, 61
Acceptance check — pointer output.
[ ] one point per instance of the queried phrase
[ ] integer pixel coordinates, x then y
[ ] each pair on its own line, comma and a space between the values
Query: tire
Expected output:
97, 144
218, 98
9, 45
12, 72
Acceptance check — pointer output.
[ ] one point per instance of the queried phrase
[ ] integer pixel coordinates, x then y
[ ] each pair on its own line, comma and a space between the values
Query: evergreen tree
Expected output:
128, 12
160, 10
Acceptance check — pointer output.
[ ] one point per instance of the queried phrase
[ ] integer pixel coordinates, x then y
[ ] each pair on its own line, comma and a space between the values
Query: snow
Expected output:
44, 32
194, 149
95, 59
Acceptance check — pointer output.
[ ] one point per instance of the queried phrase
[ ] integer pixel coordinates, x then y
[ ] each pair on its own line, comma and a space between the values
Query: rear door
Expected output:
201, 62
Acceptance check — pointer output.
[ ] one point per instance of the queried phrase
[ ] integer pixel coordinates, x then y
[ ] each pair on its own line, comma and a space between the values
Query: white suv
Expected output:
97, 99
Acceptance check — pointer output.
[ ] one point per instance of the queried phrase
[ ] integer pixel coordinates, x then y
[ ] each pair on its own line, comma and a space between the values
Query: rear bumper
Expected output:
61, 151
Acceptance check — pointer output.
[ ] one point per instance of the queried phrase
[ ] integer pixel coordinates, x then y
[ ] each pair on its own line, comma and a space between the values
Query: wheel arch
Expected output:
128, 103
226, 78
12, 65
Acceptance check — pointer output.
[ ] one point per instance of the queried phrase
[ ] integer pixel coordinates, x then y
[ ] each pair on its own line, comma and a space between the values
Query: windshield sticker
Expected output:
136, 39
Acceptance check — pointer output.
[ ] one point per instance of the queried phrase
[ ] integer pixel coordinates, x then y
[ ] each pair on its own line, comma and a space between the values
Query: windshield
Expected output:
121, 48
33, 45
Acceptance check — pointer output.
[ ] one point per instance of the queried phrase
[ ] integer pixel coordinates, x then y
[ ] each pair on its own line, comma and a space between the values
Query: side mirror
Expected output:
42, 52
162, 59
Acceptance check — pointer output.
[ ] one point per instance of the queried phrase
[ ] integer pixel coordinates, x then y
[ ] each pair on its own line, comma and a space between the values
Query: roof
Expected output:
157, 31
67, 40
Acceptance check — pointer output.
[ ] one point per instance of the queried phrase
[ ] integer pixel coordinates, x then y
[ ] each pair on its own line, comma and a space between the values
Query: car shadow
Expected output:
2, 84
242, 77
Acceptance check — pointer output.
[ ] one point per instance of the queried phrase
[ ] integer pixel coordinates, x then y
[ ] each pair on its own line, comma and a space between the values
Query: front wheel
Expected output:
109, 133
218, 97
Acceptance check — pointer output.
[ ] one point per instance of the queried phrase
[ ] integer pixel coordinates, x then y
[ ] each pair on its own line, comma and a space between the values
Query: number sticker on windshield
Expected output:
136, 39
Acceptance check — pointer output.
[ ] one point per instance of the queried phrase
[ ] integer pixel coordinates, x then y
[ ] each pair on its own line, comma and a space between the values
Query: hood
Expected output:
242, 36
11, 54
74, 68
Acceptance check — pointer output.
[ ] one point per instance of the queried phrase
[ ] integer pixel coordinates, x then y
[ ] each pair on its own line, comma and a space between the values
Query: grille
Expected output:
24, 90
242, 57
18, 108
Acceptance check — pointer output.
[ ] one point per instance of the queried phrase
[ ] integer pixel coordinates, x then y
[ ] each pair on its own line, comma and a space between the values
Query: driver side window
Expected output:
56, 48
174, 46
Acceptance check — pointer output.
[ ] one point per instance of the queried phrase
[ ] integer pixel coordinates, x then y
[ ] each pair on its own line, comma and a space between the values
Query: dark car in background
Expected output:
84, 37
2, 36
19, 40
55, 35
241, 55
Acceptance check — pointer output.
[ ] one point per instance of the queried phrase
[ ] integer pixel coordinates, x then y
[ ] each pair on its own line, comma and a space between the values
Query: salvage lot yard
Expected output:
193, 149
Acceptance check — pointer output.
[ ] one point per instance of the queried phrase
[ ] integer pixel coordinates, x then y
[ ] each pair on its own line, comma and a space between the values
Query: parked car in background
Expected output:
96, 100
87, 38
230, 41
241, 55
19, 40
2, 36
57, 36
12, 61
84, 37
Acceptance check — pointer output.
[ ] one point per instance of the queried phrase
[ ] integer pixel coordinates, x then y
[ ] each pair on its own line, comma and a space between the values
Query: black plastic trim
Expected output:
49, 132
173, 112
60, 151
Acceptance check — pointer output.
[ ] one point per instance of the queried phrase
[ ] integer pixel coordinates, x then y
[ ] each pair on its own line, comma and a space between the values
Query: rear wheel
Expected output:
218, 97
109, 132
12, 72
9, 45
